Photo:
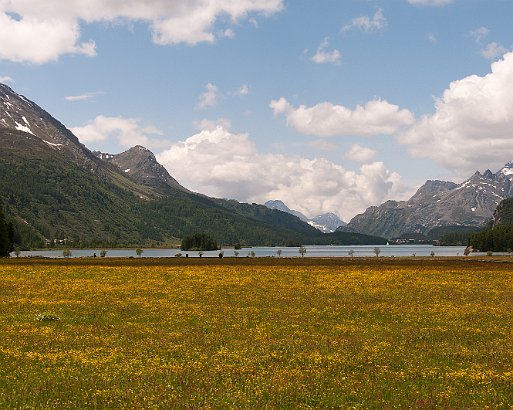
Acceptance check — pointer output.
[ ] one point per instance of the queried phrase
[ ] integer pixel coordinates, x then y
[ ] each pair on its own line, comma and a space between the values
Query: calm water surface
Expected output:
311, 251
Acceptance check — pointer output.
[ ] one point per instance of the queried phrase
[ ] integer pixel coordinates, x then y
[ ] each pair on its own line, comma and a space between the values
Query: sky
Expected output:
327, 105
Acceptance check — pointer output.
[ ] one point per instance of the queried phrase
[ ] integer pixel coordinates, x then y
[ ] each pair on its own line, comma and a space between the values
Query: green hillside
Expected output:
49, 198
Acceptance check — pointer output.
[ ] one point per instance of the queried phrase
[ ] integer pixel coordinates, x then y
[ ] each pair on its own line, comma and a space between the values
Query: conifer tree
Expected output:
5, 243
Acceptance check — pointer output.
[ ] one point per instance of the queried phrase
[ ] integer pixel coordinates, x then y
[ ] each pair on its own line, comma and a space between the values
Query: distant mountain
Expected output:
55, 190
439, 204
280, 206
326, 223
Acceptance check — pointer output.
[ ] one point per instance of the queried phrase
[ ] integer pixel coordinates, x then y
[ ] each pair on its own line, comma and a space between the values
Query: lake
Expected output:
311, 251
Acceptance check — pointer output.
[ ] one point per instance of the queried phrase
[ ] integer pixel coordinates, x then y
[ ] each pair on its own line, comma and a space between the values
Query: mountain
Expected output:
326, 223
140, 165
280, 206
439, 204
55, 190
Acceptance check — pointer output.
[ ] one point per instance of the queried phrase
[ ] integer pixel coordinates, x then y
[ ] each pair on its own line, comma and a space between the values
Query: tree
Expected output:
139, 251
350, 253
5, 243
377, 251
10, 235
236, 253
278, 252
66, 253
103, 253
302, 251
199, 242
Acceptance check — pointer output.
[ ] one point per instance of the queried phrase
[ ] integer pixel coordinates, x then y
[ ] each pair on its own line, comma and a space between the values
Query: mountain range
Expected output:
439, 204
327, 223
55, 190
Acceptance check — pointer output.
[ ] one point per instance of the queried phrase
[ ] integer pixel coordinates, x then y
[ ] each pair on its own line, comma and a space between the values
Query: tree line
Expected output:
199, 242
6, 235
497, 238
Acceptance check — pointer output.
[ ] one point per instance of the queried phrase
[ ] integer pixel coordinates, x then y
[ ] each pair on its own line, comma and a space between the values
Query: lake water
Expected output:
311, 251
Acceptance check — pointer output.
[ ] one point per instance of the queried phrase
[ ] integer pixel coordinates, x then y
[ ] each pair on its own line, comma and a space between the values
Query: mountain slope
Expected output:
140, 165
55, 189
439, 204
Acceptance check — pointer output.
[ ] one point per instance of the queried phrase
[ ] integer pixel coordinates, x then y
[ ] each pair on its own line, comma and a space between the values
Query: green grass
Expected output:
256, 333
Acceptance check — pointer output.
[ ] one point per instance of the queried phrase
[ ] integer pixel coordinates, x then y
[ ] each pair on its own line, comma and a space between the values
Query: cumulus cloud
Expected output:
83, 97
360, 154
220, 163
20, 39
127, 131
376, 117
323, 55
368, 24
25, 23
430, 2
209, 98
472, 124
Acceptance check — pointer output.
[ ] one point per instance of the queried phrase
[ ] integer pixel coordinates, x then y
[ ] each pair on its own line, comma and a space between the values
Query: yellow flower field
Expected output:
256, 333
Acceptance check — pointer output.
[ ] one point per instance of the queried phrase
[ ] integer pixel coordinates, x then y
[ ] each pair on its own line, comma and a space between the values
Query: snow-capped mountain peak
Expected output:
326, 223
507, 170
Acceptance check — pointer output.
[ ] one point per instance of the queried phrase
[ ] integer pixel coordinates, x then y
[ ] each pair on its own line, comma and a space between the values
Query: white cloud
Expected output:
209, 98
324, 145
472, 125
213, 124
83, 97
20, 40
220, 163
127, 131
365, 23
229, 33
323, 56
479, 34
493, 50
360, 154
431, 37
6, 79
24, 23
243, 90
376, 117
430, 2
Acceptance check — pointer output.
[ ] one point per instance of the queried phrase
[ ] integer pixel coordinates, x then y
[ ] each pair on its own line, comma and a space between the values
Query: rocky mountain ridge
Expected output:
140, 164
19, 113
438, 204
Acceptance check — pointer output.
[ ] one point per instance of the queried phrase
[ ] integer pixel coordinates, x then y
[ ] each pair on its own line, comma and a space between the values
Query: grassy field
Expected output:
256, 333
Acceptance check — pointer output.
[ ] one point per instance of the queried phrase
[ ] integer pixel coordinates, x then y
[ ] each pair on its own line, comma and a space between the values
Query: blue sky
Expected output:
328, 105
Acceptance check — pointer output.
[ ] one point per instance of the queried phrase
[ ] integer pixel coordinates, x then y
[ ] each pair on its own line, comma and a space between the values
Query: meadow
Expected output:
256, 333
